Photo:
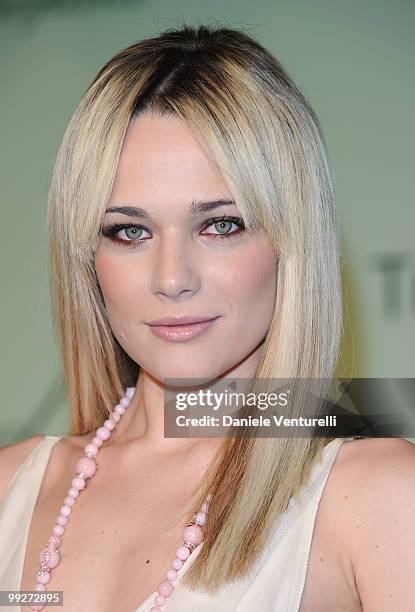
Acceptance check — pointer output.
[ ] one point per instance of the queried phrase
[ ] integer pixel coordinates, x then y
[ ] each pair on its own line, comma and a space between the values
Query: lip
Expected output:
181, 320
182, 332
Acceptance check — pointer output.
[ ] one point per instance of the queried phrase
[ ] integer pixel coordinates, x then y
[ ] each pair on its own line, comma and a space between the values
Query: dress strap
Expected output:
16, 511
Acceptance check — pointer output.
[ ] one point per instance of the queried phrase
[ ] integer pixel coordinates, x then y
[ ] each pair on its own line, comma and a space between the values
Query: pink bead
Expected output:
73, 492
177, 564
86, 466
165, 588
37, 607
51, 557
108, 424
119, 409
43, 576
54, 558
171, 575
78, 483
40, 587
55, 541
193, 534
115, 417
65, 510
69, 501
91, 449
97, 441
58, 530
201, 518
61, 520
103, 433
129, 393
124, 401
160, 600
182, 553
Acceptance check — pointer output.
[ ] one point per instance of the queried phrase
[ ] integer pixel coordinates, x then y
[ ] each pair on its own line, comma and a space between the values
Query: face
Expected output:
172, 263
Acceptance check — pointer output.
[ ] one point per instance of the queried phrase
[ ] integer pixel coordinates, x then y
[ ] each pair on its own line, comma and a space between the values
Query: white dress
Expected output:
276, 583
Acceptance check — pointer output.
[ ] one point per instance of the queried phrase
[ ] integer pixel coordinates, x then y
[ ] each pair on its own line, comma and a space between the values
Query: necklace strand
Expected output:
85, 469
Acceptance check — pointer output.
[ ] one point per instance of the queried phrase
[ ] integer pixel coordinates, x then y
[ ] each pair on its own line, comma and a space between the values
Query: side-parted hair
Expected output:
266, 141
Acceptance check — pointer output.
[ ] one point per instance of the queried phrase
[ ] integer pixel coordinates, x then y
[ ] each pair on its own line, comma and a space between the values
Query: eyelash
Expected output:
111, 231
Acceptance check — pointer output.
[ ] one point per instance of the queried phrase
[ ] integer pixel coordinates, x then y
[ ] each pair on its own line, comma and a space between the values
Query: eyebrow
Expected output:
196, 208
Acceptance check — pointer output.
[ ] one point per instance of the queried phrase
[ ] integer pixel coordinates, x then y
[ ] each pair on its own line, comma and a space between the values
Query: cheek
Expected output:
120, 284
107, 273
245, 285
253, 284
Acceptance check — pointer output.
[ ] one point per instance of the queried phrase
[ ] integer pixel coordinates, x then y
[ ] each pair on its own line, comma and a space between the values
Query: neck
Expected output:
142, 425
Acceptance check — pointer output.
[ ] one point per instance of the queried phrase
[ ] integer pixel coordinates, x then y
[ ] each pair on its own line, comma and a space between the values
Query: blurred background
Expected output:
352, 60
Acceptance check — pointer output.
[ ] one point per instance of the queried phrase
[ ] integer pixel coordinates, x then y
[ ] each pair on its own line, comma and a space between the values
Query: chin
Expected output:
191, 374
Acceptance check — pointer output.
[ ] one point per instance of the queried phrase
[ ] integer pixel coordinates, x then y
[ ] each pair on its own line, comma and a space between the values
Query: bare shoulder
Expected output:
372, 462
356, 454
11, 457
373, 471
377, 485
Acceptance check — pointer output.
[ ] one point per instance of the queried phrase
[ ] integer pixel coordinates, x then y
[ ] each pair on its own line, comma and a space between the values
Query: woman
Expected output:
193, 181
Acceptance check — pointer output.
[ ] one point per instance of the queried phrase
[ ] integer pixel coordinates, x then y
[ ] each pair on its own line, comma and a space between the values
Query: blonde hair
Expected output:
266, 140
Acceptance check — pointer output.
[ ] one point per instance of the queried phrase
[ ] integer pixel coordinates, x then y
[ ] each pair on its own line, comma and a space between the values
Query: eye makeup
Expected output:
113, 230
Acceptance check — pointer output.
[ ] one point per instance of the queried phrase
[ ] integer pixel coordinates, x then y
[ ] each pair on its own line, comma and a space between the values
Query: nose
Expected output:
175, 268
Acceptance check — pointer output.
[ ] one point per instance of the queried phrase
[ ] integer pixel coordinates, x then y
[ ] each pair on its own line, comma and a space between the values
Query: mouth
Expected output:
181, 320
182, 332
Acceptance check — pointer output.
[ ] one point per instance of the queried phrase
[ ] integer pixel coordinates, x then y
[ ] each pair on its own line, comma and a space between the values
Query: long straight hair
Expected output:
265, 139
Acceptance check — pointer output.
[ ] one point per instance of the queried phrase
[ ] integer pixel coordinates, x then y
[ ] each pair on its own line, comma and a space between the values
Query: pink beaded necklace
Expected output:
85, 468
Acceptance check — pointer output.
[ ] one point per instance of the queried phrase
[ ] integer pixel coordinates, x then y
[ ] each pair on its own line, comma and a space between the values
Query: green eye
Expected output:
135, 231
223, 226
220, 226
132, 232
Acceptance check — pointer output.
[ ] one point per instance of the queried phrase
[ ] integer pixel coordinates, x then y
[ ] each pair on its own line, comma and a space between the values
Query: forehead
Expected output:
161, 154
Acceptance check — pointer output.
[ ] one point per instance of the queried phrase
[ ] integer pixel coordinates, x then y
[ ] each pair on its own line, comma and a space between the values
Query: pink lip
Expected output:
180, 320
182, 332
